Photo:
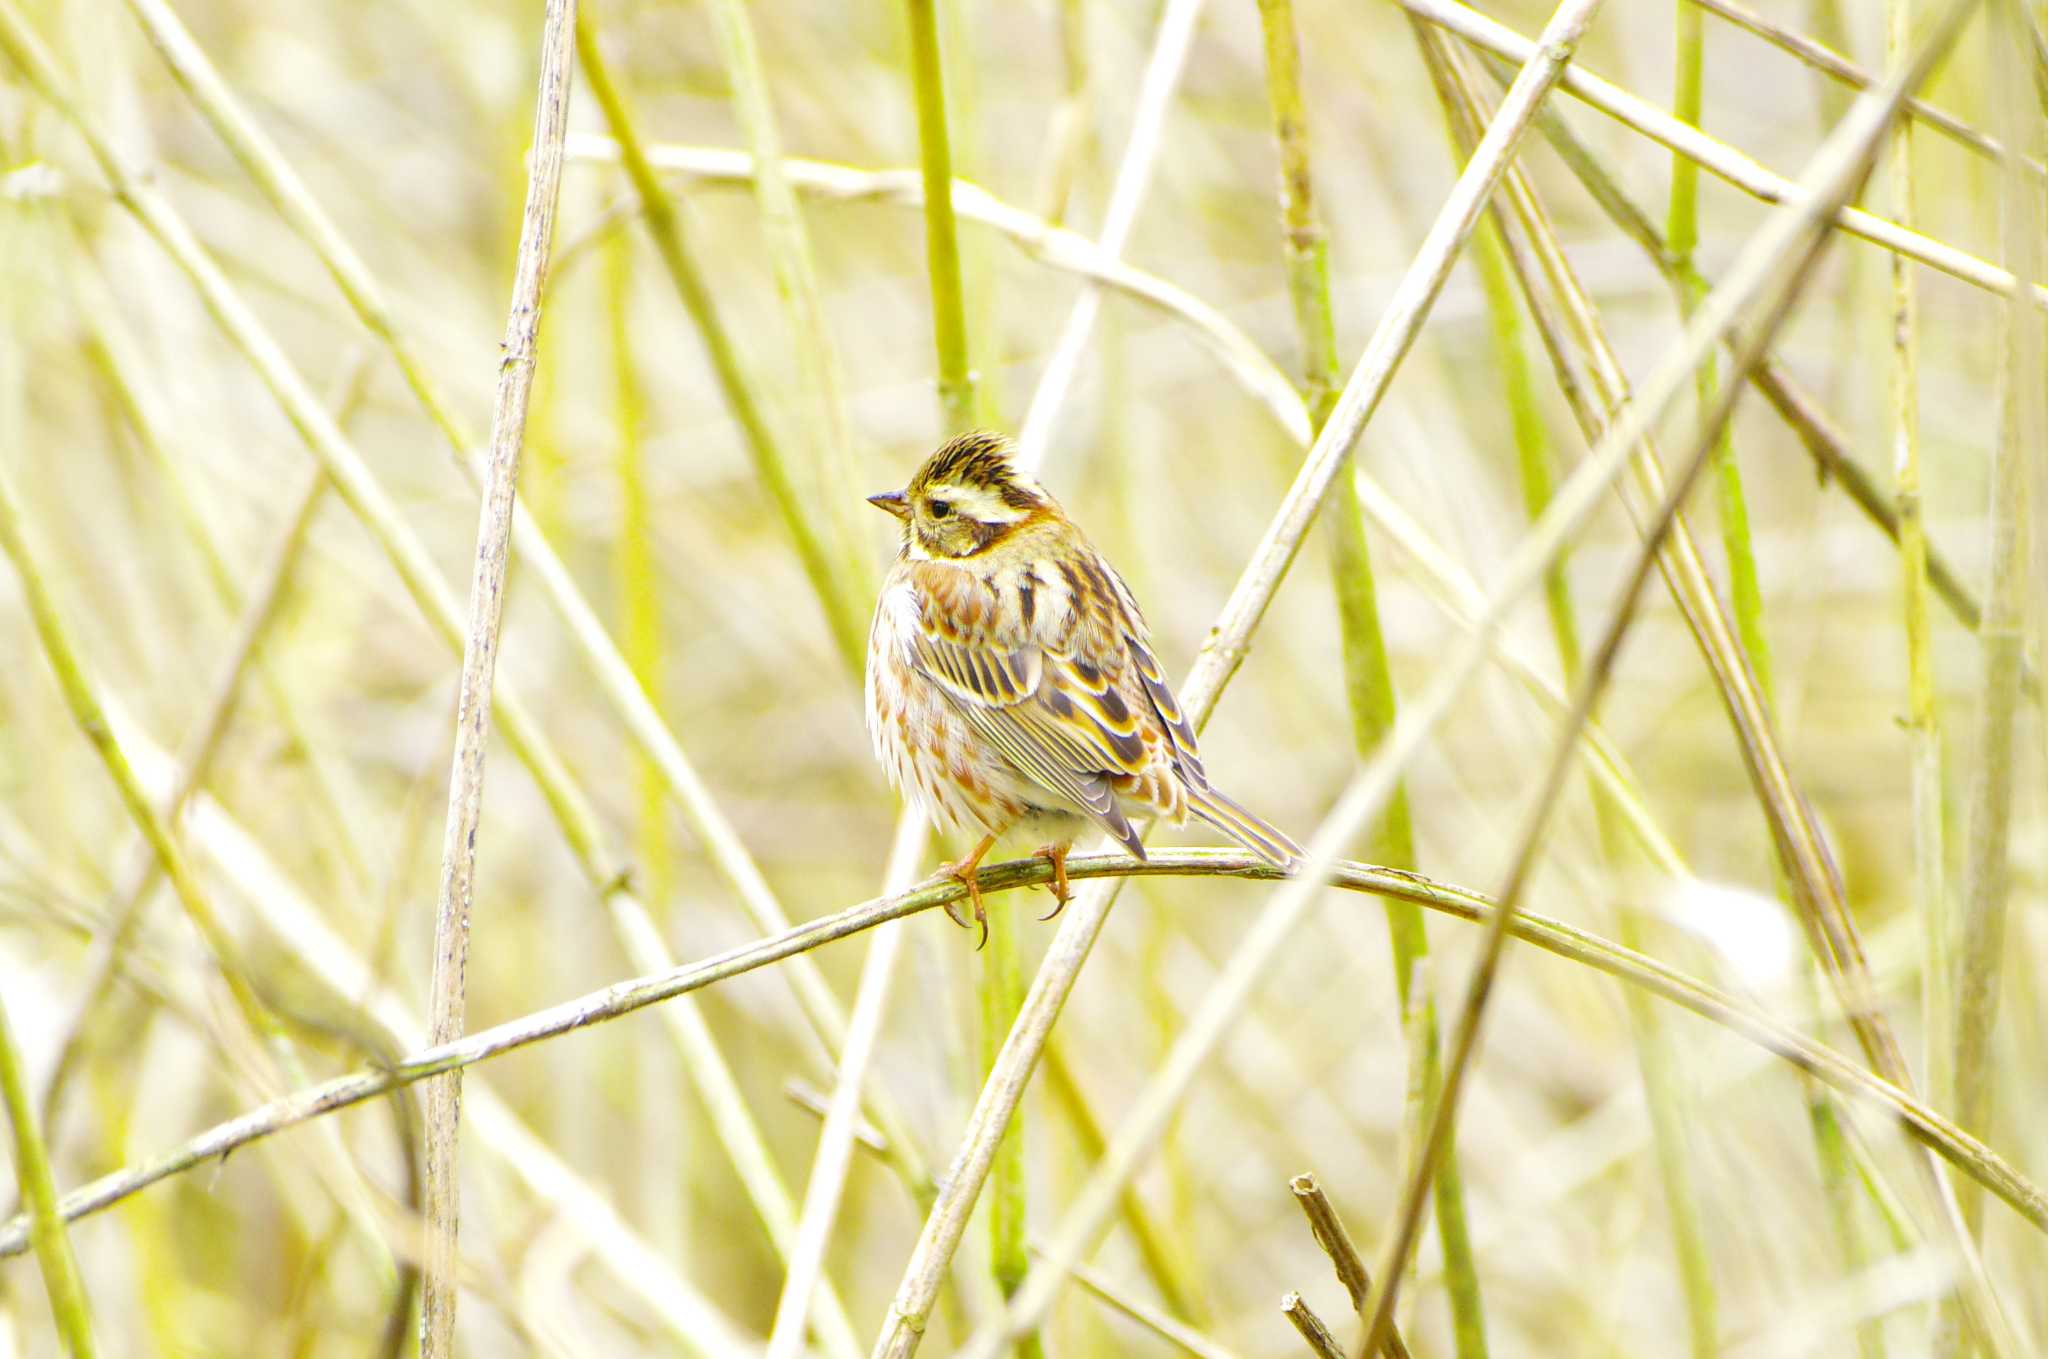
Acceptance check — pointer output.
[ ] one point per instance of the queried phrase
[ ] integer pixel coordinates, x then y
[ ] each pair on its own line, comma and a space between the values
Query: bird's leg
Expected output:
967, 870
1056, 855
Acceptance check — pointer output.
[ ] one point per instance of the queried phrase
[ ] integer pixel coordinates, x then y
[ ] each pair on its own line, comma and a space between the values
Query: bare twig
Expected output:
1336, 1243
1330, 1234
1915, 1119
442, 1104
1321, 1343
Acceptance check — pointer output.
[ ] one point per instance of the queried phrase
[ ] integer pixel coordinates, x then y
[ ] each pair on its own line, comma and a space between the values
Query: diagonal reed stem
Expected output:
1509, 251
1717, 157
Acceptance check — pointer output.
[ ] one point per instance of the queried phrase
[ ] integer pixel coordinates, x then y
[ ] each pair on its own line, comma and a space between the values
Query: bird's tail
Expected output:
1269, 844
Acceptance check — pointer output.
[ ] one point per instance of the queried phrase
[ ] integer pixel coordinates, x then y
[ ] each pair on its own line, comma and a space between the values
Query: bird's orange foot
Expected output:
968, 872
1056, 855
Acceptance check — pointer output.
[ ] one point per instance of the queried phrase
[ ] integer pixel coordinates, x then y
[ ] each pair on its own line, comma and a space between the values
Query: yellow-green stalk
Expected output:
68, 1303
1368, 677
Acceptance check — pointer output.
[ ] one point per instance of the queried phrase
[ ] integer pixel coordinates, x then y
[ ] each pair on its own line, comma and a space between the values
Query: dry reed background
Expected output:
1635, 1179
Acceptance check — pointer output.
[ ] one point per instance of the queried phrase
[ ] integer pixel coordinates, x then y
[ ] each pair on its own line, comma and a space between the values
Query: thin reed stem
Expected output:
1799, 234
637, 570
836, 1137
442, 1101
1055, 246
1174, 1332
1923, 715
89, 712
1682, 233
577, 820
1826, 444
1980, 939
1163, 66
1160, 1250
616, 678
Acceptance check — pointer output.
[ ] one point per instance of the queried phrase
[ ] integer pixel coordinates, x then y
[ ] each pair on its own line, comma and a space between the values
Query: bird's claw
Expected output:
967, 872
1056, 855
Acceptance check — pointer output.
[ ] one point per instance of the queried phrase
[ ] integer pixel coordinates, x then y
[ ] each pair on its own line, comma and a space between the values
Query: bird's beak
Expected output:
895, 502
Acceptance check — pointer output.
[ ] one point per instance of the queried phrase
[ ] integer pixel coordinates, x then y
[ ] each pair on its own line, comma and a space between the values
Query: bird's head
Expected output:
968, 497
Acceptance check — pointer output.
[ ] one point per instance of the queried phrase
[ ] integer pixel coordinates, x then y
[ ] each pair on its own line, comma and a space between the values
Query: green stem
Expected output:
46, 1224
639, 590
665, 224
941, 233
1368, 676
1681, 236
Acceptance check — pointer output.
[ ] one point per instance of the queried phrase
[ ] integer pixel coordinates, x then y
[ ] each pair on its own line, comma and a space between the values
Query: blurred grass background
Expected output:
157, 473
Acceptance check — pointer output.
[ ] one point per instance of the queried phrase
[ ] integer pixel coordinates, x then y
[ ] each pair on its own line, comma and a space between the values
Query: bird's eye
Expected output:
941, 508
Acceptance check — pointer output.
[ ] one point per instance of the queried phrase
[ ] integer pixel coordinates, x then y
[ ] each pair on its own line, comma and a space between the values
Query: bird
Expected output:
1011, 685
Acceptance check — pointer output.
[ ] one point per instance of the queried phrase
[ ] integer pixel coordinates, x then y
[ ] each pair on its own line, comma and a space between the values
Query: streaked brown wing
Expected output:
1062, 720
1178, 728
